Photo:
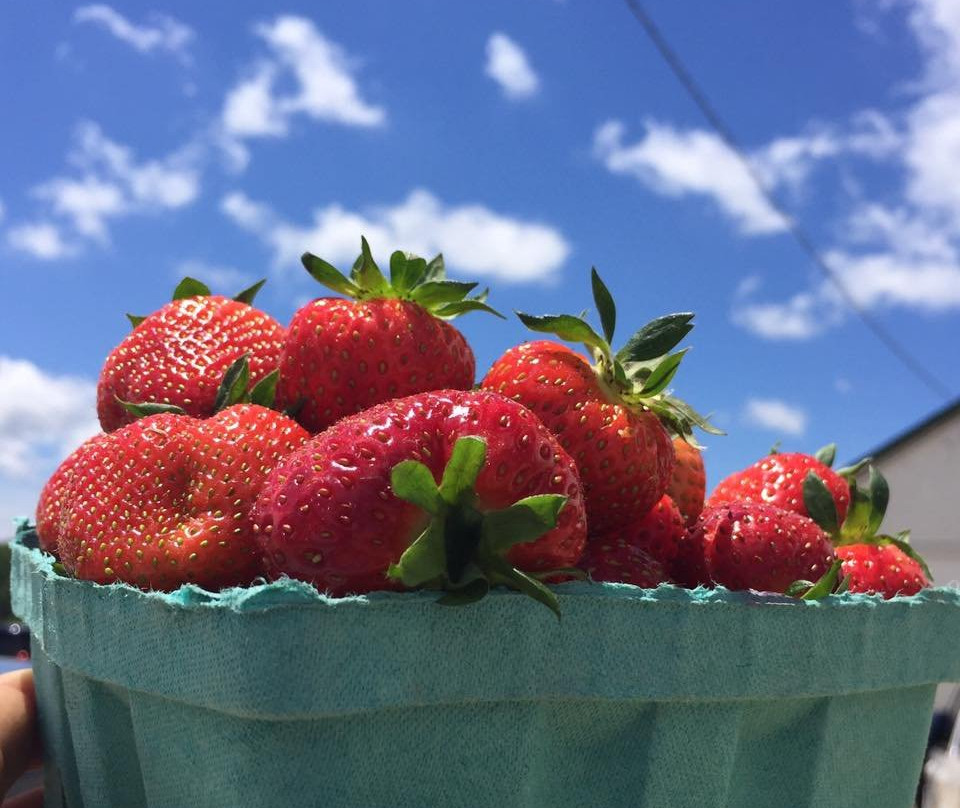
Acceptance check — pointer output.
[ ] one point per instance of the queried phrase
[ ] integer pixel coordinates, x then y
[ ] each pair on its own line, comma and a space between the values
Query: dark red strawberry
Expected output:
751, 545
385, 340
50, 505
778, 480
660, 533
331, 513
179, 354
620, 561
688, 483
881, 569
166, 500
607, 415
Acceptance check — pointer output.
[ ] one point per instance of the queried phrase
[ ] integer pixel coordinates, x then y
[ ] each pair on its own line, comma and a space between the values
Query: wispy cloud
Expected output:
775, 415
472, 237
324, 78
163, 33
41, 240
507, 64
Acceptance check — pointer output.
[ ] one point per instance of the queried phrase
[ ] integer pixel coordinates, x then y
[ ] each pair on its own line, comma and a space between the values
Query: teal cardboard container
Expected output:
276, 695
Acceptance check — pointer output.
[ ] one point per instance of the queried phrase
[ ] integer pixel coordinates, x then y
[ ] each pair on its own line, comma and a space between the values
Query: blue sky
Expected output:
527, 141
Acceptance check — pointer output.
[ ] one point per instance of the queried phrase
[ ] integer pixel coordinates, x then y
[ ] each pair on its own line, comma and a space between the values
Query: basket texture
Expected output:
275, 695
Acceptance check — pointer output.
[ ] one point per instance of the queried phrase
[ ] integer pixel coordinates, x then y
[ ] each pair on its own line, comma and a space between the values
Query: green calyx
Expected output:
642, 370
864, 514
462, 550
830, 583
411, 278
191, 287
234, 389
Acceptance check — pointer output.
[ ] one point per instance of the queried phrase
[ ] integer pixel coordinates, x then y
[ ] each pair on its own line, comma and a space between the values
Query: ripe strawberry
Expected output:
607, 415
659, 534
622, 562
349, 506
688, 483
179, 354
50, 505
166, 500
753, 545
778, 480
389, 339
881, 569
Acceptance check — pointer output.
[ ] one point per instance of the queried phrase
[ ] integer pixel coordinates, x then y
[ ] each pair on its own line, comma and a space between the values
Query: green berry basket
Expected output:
275, 695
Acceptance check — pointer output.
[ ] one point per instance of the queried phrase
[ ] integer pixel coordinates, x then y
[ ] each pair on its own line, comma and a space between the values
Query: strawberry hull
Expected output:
277, 695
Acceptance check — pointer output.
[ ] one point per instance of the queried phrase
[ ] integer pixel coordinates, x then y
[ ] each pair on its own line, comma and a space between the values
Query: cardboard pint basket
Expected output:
275, 695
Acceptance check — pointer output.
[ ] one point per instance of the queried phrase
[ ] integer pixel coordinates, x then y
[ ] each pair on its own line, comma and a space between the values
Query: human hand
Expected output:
19, 739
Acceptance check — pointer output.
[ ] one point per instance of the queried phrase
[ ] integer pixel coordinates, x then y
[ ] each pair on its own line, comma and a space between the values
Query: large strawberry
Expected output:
178, 355
384, 340
360, 501
753, 545
607, 415
166, 500
778, 479
660, 533
688, 483
50, 505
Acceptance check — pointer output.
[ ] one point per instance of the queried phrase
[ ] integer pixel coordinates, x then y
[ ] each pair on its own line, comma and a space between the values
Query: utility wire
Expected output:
799, 233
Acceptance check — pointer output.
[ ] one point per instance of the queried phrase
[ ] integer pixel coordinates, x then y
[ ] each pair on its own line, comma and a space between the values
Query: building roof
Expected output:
931, 422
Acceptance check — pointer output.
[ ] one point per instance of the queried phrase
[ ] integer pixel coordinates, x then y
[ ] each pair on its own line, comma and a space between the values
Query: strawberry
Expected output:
778, 480
165, 500
360, 501
385, 340
688, 483
178, 355
607, 415
659, 534
620, 561
51, 502
753, 545
881, 569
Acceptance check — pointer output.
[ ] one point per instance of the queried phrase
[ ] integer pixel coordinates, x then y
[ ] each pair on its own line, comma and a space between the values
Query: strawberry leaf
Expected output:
247, 295
503, 572
827, 584
145, 408
567, 327
412, 481
264, 391
605, 305
524, 521
190, 287
879, 498
367, 275
436, 270
463, 306
662, 375
135, 319
819, 503
424, 561
329, 275
433, 294
656, 338
827, 454
406, 271
233, 388
460, 476
857, 526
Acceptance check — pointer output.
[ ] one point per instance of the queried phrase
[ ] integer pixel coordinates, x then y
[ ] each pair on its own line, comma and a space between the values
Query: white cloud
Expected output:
325, 87
111, 183
34, 437
3, 211
221, 279
42, 240
800, 317
472, 238
775, 415
507, 64
163, 34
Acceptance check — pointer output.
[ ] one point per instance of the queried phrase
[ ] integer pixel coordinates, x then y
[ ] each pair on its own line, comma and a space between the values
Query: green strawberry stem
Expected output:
639, 373
462, 549
830, 583
411, 278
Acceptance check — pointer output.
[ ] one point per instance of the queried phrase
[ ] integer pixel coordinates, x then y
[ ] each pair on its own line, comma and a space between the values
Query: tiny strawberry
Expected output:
165, 500
881, 569
778, 480
753, 545
345, 511
620, 561
688, 483
385, 340
178, 355
607, 415
50, 505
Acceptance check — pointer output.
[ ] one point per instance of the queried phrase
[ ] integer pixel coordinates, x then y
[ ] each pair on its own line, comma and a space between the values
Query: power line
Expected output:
799, 233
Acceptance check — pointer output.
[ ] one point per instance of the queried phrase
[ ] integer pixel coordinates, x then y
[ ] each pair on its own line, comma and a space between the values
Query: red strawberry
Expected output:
622, 562
389, 340
50, 505
881, 569
166, 500
179, 354
607, 415
750, 545
331, 513
688, 483
659, 534
778, 480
